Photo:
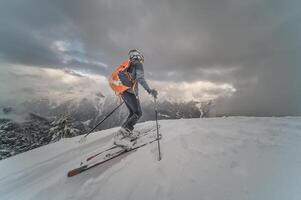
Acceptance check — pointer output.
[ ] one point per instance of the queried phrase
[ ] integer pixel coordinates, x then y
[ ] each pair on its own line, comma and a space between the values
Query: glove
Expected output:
153, 92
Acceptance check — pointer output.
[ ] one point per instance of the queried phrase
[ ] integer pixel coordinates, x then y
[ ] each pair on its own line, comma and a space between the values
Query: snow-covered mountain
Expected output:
40, 116
233, 158
91, 110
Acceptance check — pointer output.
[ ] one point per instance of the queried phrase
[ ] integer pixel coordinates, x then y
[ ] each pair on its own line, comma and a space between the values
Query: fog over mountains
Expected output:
35, 123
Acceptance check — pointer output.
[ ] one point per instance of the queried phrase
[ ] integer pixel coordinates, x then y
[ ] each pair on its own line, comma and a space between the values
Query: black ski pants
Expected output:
133, 104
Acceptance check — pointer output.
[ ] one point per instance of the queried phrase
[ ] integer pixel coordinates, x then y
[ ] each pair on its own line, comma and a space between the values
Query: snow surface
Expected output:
204, 159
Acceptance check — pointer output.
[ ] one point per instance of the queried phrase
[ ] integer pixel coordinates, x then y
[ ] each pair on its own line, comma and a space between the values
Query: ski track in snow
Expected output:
215, 158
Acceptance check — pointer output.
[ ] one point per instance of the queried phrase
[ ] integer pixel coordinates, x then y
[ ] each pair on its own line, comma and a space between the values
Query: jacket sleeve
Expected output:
140, 77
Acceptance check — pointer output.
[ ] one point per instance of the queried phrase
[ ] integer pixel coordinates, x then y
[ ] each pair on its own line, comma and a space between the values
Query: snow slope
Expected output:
217, 158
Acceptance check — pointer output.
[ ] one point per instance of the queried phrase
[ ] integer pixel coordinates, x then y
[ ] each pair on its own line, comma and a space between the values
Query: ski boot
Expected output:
121, 138
133, 135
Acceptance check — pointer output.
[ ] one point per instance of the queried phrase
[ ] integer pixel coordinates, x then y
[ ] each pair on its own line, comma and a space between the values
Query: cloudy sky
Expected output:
243, 53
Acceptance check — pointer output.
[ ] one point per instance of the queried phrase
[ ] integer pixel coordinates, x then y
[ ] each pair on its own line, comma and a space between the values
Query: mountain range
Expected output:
40, 116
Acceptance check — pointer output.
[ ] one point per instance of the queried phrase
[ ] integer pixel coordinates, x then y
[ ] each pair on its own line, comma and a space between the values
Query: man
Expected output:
134, 74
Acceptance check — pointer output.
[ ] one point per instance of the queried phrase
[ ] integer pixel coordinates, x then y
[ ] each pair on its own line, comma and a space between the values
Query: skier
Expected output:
133, 73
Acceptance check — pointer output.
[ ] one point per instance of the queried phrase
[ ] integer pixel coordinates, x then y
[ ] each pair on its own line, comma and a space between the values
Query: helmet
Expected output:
135, 56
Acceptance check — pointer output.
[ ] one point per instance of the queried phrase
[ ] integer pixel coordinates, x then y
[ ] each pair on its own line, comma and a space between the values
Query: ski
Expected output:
115, 146
91, 157
108, 157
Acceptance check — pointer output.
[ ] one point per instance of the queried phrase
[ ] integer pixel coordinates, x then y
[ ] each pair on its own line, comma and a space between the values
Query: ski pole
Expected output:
84, 138
158, 137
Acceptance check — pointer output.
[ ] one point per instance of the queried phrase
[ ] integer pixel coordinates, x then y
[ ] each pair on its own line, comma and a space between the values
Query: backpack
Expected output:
121, 79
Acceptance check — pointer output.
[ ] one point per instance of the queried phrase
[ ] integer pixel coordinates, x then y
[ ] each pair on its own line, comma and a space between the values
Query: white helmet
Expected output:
135, 56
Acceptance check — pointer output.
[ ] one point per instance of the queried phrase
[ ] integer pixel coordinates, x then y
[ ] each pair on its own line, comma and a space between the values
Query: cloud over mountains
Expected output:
250, 46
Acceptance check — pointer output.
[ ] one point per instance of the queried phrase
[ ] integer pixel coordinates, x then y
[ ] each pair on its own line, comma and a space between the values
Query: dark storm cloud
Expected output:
252, 44
19, 33
29, 31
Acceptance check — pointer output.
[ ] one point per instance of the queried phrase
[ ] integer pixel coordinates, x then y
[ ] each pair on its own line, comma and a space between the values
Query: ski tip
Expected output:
74, 172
